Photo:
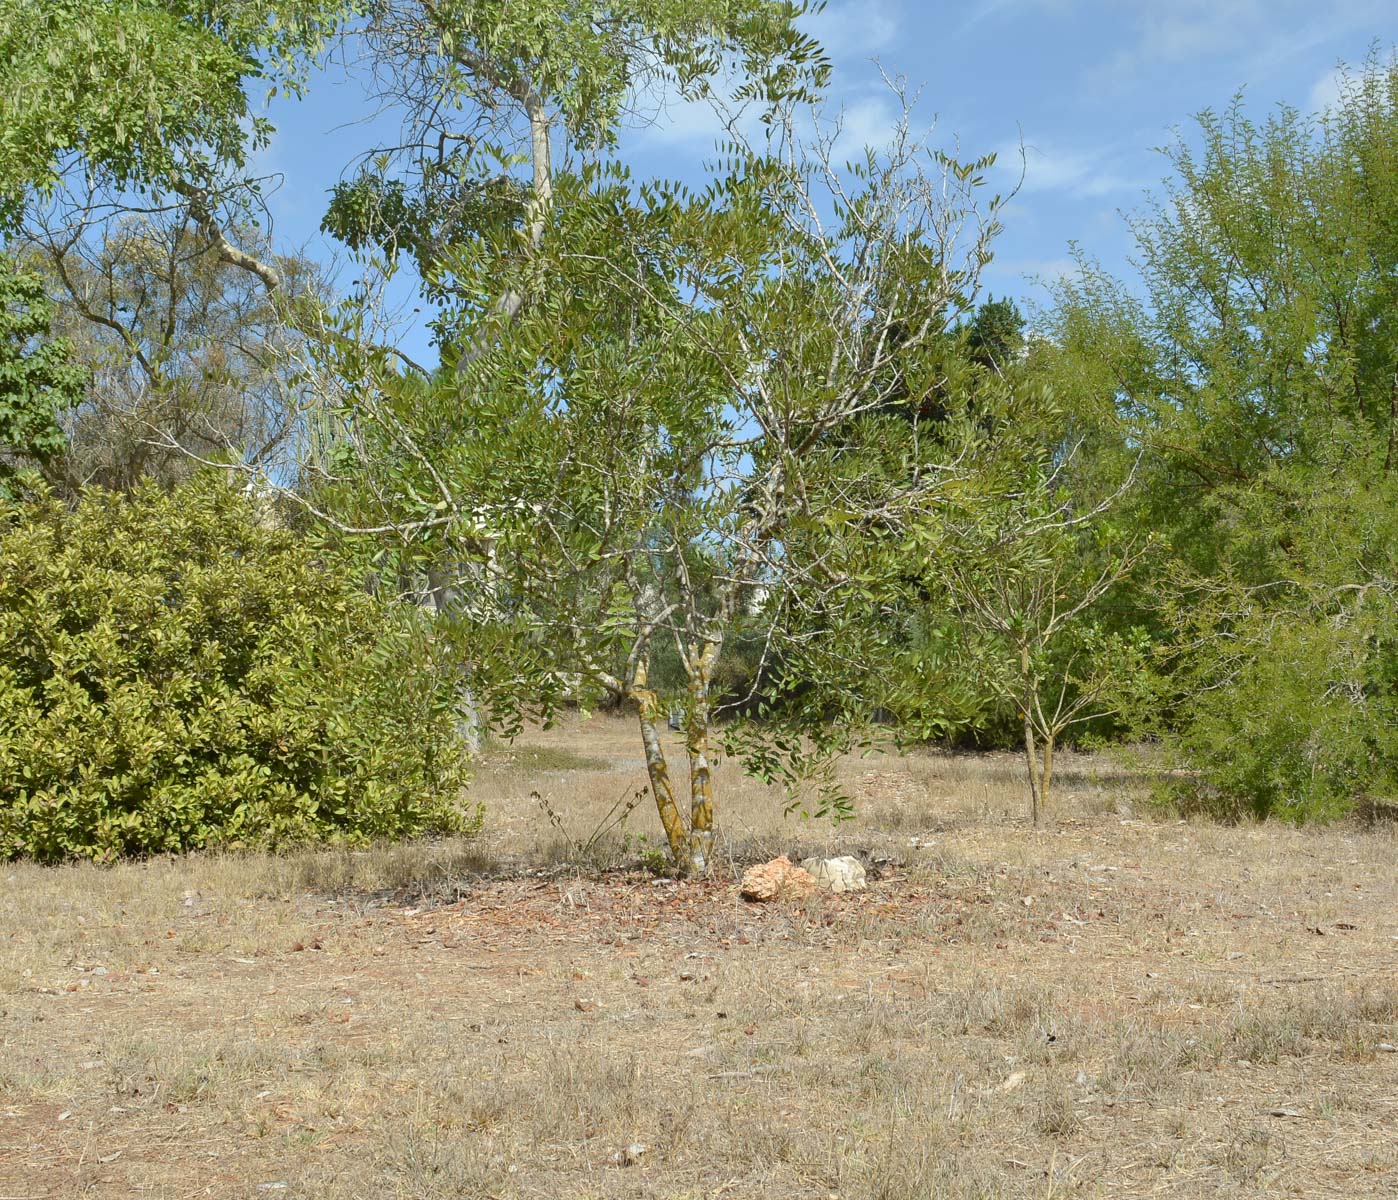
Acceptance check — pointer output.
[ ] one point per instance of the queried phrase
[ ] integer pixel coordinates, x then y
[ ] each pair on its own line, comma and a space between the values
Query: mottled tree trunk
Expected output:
648, 708
701, 778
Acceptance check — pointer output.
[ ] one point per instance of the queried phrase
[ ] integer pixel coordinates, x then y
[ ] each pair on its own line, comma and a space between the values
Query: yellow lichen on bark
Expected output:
701, 780
648, 707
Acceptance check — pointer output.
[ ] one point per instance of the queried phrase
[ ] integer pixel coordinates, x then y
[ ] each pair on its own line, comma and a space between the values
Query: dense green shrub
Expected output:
38, 378
1281, 700
1296, 718
176, 672
1289, 737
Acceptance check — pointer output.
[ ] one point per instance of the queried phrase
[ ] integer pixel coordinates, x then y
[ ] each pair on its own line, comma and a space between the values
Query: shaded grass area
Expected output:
526, 758
1112, 1008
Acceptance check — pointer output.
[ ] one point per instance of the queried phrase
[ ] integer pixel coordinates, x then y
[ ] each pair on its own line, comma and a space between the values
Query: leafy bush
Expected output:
1282, 700
37, 377
1302, 731
176, 673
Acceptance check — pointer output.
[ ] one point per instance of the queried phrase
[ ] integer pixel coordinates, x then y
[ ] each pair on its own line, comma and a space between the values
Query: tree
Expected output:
995, 335
1259, 372
645, 451
1024, 579
38, 378
148, 103
629, 435
191, 361
503, 104
1000, 592
498, 96
127, 178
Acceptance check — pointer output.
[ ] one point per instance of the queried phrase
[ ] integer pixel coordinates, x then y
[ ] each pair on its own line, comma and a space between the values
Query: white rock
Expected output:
629, 1156
843, 874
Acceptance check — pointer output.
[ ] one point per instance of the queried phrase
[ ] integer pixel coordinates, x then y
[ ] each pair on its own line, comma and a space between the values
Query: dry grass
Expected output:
1116, 1007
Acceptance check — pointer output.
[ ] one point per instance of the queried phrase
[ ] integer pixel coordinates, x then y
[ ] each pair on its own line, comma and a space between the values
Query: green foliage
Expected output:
1256, 374
458, 196
37, 378
145, 92
582, 57
178, 673
995, 593
370, 211
1281, 699
994, 335
1017, 579
641, 473
1285, 738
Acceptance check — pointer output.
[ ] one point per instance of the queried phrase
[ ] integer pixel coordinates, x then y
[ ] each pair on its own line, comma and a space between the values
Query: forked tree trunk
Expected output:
691, 843
1039, 762
1030, 757
1032, 765
648, 708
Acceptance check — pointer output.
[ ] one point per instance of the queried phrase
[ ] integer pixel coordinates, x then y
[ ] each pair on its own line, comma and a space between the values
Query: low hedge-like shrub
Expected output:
176, 673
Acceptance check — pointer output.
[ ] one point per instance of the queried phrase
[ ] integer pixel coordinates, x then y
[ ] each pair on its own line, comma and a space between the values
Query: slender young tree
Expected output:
649, 450
1025, 579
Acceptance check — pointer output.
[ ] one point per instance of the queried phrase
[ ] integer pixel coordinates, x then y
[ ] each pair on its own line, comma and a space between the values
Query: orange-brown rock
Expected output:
779, 879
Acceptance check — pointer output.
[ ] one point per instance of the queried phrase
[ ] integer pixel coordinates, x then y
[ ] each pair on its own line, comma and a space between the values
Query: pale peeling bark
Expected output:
199, 209
701, 778
648, 707
541, 201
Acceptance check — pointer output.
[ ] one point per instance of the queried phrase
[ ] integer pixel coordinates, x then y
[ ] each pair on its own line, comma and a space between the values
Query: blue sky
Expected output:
1091, 86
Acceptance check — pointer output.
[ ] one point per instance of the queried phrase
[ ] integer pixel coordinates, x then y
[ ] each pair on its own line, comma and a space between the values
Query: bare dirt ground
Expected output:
1117, 1007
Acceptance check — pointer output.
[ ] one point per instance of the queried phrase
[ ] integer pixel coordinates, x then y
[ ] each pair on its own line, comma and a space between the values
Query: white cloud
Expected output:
870, 121
679, 121
1048, 271
1187, 29
1265, 33
1048, 168
865, 120
691, 123
993, 10
852, 27
1326, 91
